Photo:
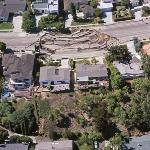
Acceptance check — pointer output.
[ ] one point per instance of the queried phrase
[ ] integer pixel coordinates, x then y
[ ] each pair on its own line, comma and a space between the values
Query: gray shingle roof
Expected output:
11, 6
56, 145
98, 70
49, 73
4, 12
134, 68
138, 143
87, 9
18, 67
13, 147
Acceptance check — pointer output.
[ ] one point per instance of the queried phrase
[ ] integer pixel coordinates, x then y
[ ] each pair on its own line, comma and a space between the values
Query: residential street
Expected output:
16, 40
124, 31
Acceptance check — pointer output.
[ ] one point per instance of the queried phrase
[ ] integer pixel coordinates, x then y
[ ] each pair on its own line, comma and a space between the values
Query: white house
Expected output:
48, 6
105, 6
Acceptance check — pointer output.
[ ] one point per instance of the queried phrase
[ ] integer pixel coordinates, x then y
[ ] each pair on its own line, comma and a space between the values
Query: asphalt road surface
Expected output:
18, 40
124, 31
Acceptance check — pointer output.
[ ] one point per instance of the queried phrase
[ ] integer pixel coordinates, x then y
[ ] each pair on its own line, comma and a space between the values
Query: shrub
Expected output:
20, 139
29, 22
2, 46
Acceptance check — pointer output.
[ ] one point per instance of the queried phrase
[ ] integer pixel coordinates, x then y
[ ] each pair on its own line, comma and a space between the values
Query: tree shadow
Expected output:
64, 122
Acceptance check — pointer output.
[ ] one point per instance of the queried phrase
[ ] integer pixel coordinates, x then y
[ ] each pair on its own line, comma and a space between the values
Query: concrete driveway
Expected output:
17, 23
108, 18
138, 15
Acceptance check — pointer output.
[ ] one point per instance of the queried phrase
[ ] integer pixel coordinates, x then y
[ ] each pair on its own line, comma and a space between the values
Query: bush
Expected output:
2, 46
145, 11
123, 18
29, 22
3, 135
20, 139
51, 21
98, 12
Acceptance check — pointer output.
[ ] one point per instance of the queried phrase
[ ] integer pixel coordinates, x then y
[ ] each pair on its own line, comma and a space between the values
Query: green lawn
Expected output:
81, 21
5, 26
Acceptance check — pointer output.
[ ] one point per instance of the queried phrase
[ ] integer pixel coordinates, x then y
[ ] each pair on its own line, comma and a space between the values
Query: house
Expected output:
57, 145
56, 77
88, 11
135, 3
11, 6
14, 146
18, 71
90, 76
137, 143
46, 6
105, 6
67, 3
130, 70
146, 1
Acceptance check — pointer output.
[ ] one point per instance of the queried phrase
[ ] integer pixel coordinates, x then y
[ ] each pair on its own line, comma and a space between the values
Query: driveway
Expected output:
138, 15
17, 23
108, 18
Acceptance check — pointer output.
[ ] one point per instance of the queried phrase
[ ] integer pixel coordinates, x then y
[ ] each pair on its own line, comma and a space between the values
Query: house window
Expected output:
56, 71
45, 82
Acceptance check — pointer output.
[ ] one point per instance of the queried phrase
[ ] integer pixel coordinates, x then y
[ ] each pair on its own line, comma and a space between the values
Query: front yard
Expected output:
145, 11
122, 14
6, 26
81, 21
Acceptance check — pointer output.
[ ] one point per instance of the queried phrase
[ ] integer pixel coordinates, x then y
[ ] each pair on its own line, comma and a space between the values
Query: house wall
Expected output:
105, 7
132, 76
110, 1
86, 78
3, 18
134, 3
50, 7
46, 82
21, 84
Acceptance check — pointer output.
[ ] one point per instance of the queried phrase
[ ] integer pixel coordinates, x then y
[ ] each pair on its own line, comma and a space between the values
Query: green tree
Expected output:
117, 141
51, 21
6, 108
23, 120
98, 12
3, 135
115, 77
2, 46
119, 53
125, 3
145, 10
85, 147
29, 22
93, 3
139, 109
20, 139
146, 64
73, 11
102, 121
